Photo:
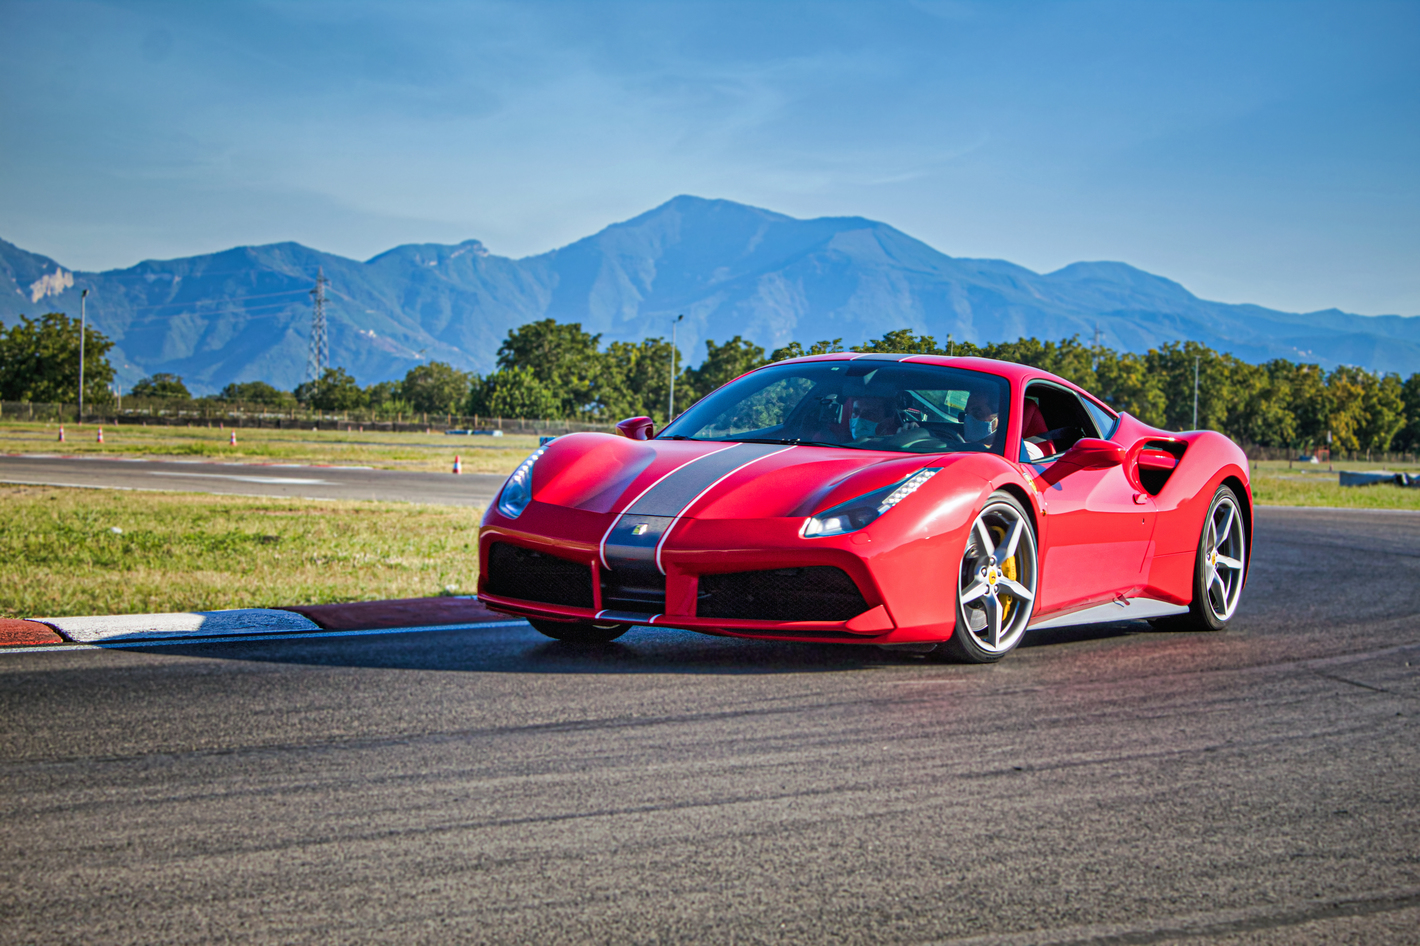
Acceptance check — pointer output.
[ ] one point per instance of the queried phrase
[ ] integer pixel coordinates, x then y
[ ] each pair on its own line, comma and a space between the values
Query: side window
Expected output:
1104, 421
1052, 419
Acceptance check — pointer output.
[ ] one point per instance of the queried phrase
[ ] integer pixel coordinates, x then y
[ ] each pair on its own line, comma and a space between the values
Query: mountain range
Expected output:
244, 314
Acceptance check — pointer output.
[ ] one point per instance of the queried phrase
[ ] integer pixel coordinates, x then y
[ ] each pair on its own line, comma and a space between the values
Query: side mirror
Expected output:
1090, 453
636, 428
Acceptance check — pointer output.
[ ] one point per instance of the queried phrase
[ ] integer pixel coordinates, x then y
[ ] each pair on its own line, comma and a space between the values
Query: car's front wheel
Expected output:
995, 583
579, 632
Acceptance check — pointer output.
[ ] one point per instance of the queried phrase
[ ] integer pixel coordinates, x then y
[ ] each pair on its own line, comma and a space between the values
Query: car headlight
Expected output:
517, 492
859, 511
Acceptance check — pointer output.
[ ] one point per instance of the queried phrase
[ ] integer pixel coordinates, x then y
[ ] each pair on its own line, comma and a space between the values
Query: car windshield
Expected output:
865, 404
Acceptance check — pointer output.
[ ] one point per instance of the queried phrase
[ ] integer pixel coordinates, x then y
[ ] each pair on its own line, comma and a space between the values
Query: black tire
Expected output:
579, 632
969, 644
1209, 610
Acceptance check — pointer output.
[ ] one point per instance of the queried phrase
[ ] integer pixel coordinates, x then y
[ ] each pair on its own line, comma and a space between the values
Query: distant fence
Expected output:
211, 412
1304, 455
203, 412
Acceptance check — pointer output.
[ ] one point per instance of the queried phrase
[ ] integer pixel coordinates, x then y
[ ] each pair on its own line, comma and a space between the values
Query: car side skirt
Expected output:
1121, 609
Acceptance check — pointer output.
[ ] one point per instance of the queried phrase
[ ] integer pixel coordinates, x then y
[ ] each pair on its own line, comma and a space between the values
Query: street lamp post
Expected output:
670, 411
1196, 359
82, 296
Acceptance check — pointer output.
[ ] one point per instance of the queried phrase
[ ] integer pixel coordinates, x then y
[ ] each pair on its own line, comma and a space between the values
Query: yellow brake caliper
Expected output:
1008, 568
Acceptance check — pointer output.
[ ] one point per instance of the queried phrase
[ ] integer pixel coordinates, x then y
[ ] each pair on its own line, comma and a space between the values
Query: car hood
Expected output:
607, 474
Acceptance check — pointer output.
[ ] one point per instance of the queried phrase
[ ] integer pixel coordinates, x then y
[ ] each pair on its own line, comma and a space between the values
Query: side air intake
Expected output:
515, 572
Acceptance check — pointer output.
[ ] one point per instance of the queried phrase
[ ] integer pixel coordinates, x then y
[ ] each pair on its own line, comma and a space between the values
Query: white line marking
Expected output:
243, 638
241, 479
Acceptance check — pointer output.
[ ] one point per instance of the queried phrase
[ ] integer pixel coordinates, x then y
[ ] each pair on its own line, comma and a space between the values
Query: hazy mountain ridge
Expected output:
244, 313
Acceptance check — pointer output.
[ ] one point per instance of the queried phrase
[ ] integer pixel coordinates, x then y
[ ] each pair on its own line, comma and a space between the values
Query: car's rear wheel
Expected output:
995, 583
579, 632
1218, 569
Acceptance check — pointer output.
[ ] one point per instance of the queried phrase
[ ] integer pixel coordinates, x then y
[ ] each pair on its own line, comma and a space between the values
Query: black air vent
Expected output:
811, 593
515, 572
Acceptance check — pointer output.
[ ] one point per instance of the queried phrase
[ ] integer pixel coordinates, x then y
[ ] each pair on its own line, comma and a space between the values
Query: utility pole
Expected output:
1196, 359
82, 320
670, 411
319, 354
949, 344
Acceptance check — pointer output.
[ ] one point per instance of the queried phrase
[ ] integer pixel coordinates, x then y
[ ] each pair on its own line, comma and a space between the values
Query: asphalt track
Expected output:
1112, 784
247, 479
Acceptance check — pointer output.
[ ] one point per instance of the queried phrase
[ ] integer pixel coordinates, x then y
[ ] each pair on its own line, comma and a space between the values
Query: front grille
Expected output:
811, 593
515, 572
640, 591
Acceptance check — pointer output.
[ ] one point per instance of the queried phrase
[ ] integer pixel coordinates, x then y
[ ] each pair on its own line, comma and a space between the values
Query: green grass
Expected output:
1274, 483
60, 554
381, 449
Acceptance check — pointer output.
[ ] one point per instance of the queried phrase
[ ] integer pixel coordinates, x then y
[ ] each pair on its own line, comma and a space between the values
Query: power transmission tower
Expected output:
319, 354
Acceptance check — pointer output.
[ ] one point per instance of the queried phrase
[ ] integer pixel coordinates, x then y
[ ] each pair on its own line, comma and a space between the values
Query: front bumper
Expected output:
890, 573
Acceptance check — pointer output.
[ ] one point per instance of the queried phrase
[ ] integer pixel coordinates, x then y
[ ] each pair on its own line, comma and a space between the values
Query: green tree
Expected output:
39, 361
1068, 358
514, 392
1409, 436
162, 384
387, 397
333, 391
1347, 418
902, 341
564, 359
256, 392
435, 388
1124, 382
1384, 406
636, 379
722, 363
795, 350
1264, 414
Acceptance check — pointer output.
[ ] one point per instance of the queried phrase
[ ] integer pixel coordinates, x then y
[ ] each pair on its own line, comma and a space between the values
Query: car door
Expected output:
1098, 525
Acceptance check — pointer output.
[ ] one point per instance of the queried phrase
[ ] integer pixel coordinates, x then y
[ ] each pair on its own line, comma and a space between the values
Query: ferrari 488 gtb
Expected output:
909, 501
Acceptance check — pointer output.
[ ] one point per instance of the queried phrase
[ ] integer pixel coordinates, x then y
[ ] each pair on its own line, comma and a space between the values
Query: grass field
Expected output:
81, 551
1275, 484
432, 453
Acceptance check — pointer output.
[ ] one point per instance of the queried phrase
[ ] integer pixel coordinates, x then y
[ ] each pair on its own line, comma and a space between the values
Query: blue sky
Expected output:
1255, 152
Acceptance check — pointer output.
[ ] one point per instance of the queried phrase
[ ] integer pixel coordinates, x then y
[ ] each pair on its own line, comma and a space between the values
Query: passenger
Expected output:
981, 417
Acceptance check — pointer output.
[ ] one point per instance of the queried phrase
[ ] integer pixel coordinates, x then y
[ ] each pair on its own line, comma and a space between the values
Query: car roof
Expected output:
1009, 370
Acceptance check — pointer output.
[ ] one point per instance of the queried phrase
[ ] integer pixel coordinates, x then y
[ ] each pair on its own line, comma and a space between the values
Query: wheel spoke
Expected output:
1016, 589
1217, 581
1232, 563
993, 620
973, 591
988, 547
1007, 548
1226, 531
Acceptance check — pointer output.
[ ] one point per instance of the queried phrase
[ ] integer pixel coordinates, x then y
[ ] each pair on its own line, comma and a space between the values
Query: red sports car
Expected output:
915, 502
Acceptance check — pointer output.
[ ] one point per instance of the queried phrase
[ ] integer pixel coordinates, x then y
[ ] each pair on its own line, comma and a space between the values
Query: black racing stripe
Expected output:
631, 544
670, 495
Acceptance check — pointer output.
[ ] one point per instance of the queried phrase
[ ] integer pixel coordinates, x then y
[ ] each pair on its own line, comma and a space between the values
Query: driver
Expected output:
982, 416
871, 417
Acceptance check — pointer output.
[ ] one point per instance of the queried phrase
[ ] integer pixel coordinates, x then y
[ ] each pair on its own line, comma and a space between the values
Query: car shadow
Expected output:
520, 649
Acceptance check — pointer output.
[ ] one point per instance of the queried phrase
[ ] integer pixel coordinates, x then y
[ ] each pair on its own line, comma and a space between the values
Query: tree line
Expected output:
552, 370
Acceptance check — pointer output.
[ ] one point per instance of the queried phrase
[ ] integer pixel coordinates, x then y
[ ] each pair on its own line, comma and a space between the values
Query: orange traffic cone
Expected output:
458, 464
61, 434
233, 441
101, 435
